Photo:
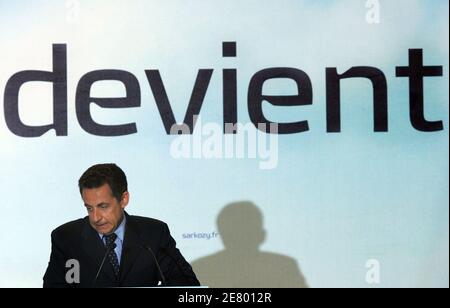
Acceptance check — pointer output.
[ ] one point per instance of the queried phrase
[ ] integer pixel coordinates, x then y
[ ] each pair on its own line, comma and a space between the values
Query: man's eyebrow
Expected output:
100, 204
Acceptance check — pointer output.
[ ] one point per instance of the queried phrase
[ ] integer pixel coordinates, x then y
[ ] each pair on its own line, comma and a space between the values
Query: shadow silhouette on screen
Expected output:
241, 264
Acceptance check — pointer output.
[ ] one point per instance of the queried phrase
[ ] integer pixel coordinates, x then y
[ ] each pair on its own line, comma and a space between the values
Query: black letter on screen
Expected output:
256, 98
84, 99
163, 103
416, 72
380, 100
59, 79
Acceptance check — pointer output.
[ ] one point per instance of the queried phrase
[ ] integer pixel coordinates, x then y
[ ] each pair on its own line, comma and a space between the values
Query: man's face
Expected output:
105, 212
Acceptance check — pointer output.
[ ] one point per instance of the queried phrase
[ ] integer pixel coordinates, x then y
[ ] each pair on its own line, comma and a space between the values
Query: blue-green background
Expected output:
333, 202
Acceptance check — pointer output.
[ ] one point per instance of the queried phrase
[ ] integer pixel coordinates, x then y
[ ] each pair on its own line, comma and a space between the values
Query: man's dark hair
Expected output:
98, 175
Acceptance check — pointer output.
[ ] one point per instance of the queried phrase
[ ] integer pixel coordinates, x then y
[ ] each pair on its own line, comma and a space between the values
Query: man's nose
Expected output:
96, 215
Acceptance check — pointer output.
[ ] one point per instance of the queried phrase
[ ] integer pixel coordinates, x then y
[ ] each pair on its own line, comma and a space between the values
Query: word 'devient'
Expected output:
415, 72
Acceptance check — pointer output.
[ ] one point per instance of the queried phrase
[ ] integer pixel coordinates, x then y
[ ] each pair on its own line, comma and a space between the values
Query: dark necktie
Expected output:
112, 256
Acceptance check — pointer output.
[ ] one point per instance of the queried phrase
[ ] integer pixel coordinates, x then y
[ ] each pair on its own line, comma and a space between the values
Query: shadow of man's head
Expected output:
241, 226
241, 264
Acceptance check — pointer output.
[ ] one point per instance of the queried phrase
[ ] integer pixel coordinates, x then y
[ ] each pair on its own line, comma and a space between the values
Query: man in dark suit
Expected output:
110, 248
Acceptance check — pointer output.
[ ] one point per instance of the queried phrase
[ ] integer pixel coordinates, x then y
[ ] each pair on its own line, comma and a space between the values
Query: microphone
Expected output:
150, 250
108, 250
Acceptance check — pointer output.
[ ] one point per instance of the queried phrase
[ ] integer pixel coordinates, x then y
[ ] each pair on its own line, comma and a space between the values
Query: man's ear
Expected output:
125, 199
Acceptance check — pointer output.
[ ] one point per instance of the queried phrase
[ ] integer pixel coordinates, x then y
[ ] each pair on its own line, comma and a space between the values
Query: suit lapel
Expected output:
94, 248
131, 247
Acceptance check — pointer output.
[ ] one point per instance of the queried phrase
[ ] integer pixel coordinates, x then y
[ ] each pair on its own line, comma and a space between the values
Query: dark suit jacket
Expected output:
78, 240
